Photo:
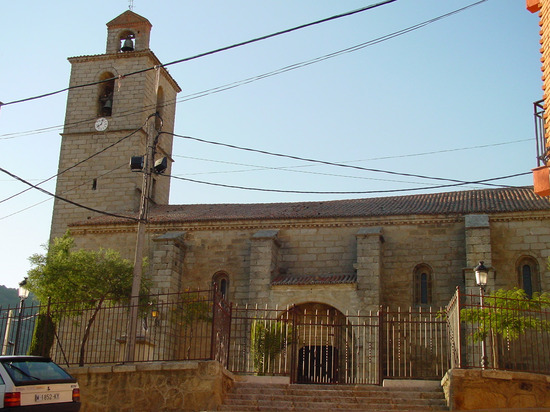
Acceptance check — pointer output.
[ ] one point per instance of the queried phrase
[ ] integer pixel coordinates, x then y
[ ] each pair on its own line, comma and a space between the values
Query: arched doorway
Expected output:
319, 331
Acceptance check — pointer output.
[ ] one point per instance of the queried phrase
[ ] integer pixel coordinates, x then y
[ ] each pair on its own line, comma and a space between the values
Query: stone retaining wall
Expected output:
476, 389
148, 387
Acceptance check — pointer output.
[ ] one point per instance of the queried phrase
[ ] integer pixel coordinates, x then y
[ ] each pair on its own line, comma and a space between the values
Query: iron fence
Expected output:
307, 343
186, 326
415, 344
490, 332
17, 324
326, 346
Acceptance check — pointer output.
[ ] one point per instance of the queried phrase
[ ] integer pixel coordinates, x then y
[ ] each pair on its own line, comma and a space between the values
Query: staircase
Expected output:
246, 396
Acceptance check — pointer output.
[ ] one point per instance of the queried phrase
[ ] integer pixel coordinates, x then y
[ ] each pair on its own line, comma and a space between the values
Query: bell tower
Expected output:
107, 121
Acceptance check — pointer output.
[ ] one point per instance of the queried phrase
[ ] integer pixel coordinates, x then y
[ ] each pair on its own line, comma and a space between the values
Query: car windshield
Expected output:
30, 371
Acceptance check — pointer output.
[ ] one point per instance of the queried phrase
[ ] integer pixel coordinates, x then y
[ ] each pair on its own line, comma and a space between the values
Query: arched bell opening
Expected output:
105, 94
127, 40
159, 108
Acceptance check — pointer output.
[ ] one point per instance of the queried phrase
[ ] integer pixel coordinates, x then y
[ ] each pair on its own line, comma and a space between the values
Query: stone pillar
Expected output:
369, 266
167, 265
478, 248
264, 254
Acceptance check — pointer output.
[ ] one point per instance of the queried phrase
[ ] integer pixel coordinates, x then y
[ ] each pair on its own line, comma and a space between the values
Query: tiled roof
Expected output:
313, 280
128, 17
487, 201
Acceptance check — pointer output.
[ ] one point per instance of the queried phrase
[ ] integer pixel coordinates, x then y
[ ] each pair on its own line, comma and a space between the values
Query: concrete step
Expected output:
247, 396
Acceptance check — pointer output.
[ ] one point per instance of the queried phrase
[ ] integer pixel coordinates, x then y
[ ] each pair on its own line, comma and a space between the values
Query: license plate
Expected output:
46, 397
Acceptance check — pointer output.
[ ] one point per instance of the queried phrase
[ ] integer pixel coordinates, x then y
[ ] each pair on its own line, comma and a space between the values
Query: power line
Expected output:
249, 80
324, 57
323, 162
292, 168
66, 191
285, 169
348, 192
197, 56
76, 164
64, 199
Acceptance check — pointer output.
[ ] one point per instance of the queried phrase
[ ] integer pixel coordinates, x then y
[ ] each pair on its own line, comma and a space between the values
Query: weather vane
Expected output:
131, 5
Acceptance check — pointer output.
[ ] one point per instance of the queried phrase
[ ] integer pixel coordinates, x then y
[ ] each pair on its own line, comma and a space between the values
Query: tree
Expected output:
43, 335
507, 314
90, 278
268, 340
190, 310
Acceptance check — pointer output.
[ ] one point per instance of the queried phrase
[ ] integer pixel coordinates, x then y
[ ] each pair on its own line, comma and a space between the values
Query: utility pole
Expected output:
148, 163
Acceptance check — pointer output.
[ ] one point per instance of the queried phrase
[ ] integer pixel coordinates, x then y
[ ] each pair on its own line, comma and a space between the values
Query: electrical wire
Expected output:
64, 192
66, 200
222, 49
359, 192
77, 164
249, 80
324, 57
285, 169
323, 162
292, 168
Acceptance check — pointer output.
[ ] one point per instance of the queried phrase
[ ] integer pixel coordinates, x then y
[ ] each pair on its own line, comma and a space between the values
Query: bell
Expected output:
128, 45
108, 104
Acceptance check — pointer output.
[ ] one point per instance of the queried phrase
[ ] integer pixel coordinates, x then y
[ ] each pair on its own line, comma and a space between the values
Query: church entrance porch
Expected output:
317, 330
316, 343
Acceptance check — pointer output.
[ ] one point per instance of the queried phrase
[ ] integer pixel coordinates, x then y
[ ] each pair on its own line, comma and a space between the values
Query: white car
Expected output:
35, 383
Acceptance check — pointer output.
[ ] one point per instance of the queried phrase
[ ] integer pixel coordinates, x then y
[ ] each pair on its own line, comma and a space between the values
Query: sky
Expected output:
452, 99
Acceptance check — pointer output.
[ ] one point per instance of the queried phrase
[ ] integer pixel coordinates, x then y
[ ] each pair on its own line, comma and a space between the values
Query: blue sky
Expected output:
453, 99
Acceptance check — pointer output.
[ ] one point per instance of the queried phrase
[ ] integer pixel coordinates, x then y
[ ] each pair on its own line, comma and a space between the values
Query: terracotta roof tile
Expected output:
286, 279
450, 203
128, 17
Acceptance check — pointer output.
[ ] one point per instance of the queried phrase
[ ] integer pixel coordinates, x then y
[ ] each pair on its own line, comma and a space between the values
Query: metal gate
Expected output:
315, 343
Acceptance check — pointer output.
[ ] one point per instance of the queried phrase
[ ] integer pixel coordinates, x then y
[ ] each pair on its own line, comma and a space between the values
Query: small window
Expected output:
220, 282
528, 275
422, 285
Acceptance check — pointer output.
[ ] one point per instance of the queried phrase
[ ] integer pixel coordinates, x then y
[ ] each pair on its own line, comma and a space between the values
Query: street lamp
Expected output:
482, 273
23, 293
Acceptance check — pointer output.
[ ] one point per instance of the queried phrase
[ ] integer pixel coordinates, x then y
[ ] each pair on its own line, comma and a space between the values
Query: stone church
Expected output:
350, 255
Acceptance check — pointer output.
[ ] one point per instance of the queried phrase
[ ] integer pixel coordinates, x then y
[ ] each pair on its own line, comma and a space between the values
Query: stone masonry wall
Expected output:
439, 243
153, 387
115, 187
369, 266
495, 390
515, 239
332, 247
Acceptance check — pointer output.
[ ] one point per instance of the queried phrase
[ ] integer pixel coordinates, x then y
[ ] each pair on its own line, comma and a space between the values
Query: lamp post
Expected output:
23, 294
482, 273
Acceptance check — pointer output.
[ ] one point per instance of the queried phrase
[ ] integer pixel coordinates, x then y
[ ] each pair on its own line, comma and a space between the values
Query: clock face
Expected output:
101, 124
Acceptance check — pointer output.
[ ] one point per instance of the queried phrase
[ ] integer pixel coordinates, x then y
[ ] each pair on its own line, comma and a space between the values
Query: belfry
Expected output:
106, 124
